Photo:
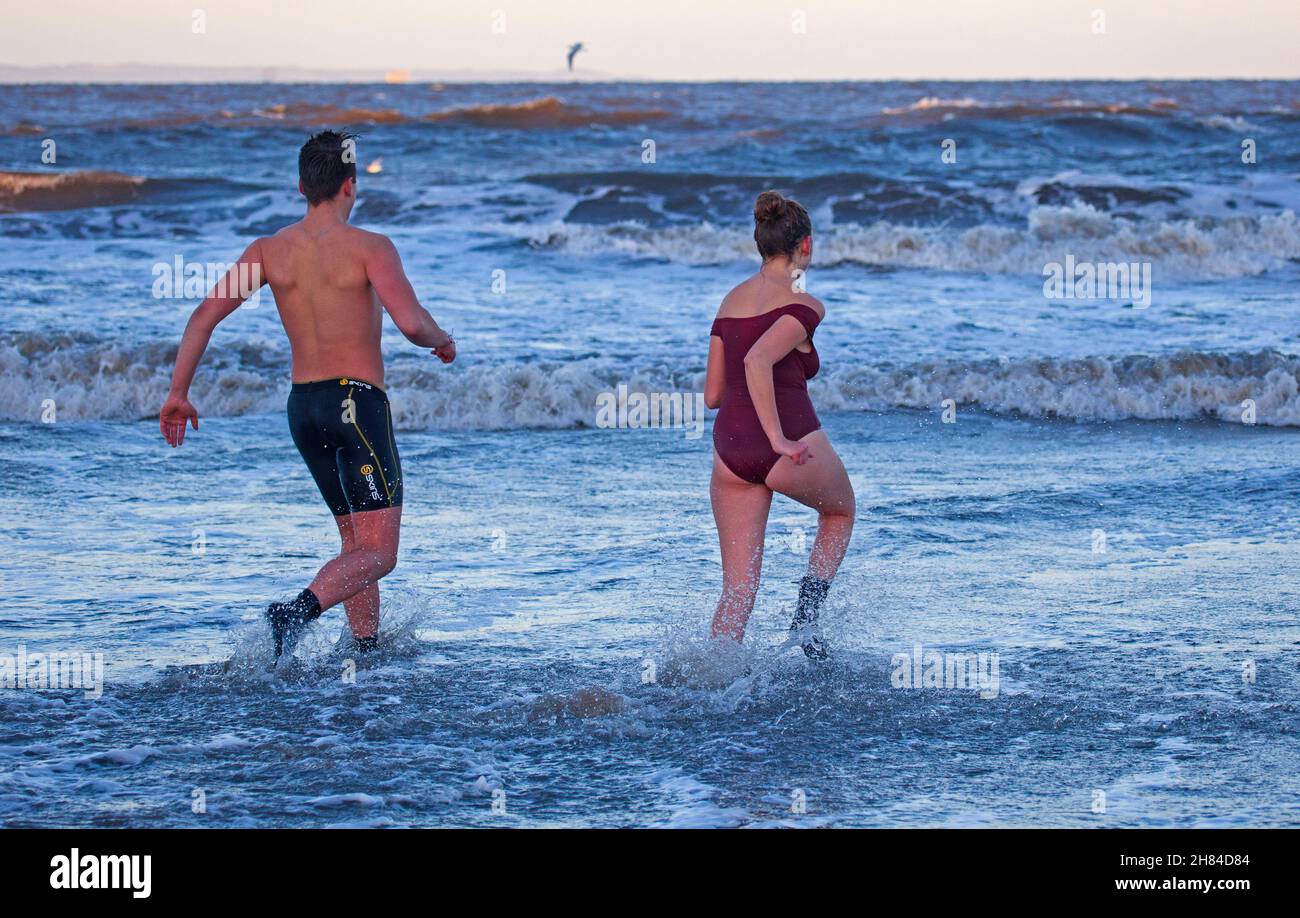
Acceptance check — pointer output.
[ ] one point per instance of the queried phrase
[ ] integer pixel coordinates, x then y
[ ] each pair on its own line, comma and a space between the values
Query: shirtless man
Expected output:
329, 281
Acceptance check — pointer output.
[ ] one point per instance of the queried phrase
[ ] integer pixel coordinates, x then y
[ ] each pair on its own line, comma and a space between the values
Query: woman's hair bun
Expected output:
780, 224
771, 205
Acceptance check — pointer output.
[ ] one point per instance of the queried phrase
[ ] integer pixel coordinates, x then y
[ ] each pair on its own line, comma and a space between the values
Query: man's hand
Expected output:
446, 353
176, 412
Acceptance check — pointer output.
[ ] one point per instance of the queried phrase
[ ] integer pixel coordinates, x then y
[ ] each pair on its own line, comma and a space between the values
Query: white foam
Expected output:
335, 801
691, 803
1235, 246
90, 380
1184, 386
136, 755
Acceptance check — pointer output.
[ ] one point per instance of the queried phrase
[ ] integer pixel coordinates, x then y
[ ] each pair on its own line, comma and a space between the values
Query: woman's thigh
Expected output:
820, 483
740, 509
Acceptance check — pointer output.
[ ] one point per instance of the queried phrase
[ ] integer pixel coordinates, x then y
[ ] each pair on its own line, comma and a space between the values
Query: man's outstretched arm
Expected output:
384, 268
243, 279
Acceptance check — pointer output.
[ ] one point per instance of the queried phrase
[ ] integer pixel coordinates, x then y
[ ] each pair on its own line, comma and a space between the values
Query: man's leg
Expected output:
371, 556
363, 607
354, 462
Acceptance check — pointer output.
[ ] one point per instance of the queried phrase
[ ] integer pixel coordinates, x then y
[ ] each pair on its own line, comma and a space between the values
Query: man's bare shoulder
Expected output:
281, 237
352, 235
367, 240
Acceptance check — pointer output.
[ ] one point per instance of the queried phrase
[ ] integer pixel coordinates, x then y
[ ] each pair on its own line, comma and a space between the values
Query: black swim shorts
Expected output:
344, 430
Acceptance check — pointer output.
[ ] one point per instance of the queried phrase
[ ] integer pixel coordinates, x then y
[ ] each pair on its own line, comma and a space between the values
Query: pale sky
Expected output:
679, 40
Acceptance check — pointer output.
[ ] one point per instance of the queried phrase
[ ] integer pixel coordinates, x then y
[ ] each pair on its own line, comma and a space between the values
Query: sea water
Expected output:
1094, 495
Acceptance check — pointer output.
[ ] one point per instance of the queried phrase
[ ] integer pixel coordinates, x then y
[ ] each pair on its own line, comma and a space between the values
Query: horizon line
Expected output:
11, 74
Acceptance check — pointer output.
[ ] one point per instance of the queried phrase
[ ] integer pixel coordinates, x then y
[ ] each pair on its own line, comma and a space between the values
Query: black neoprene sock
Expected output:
308, 604
812, 593
288, 618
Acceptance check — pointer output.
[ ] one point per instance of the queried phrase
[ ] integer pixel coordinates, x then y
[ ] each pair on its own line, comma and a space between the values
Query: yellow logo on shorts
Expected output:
343, 382
367, 470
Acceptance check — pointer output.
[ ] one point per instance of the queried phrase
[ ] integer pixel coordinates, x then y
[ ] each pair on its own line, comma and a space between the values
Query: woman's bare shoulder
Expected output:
735, 298
807, 299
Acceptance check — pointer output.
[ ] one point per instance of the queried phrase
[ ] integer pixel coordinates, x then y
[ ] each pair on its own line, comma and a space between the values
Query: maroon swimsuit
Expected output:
737, 434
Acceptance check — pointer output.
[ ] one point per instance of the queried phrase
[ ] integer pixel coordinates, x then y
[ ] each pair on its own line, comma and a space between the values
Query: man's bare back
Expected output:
331, 282
329, 308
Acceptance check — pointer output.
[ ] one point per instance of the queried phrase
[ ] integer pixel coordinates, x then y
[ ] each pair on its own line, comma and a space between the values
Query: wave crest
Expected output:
1181, 386
95, 380
933, 108
40, 191
543, 113
1185, 249
89, 379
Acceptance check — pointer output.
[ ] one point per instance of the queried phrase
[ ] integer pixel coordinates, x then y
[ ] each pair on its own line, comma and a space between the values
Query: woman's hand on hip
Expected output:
799, 453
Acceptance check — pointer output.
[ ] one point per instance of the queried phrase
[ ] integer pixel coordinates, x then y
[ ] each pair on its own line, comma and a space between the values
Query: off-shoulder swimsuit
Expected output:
737, 434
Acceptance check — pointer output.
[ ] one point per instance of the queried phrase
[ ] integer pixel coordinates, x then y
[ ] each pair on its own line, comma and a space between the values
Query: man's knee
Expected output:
387, 562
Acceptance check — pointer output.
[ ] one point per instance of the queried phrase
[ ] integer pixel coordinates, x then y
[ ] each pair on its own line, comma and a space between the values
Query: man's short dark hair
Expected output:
325, 162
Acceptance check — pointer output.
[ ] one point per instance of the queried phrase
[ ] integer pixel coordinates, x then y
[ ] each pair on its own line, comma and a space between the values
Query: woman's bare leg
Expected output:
820, 483
740, 510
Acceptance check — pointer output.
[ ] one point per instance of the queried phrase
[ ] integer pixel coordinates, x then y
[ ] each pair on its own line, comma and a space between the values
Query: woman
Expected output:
766, 436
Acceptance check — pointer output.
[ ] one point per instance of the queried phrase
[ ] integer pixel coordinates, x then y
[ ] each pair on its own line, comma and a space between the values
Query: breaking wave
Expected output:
935, 108
43, 192
1181, 386
90, 379
67, 190
1185, 249
544, 113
